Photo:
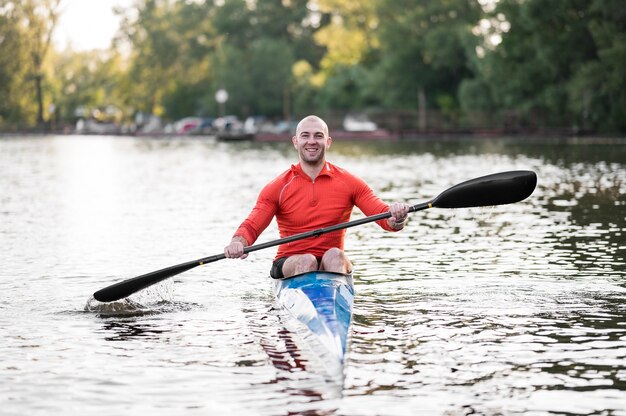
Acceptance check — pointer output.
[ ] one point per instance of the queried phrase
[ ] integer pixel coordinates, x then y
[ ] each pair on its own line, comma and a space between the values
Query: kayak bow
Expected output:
321, 303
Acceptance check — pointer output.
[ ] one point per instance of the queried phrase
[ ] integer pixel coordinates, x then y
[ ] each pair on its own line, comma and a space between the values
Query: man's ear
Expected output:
328, 142
294, 139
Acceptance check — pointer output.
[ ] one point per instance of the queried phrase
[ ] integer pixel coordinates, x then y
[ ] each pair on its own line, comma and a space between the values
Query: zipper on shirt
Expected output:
314, 201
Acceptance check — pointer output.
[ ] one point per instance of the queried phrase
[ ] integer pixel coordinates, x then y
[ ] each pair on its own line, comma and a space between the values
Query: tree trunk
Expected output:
421, 109
287, 104
38, 89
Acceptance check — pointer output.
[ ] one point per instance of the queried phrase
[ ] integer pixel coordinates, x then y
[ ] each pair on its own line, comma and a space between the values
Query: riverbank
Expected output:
548, 136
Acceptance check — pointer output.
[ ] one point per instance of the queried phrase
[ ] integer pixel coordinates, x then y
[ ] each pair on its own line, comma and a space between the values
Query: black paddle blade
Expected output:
496, 189
126, 288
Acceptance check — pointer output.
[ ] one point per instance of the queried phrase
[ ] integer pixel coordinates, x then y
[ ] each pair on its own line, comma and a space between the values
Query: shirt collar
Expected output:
327, 170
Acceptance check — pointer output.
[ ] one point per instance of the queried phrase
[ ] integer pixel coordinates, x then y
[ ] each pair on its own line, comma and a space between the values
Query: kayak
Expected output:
320, 307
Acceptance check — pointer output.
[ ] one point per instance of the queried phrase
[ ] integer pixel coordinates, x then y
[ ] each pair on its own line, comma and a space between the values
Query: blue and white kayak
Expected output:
321, 303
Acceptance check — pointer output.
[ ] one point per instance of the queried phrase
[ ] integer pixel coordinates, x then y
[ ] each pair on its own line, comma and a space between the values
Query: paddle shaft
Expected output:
128, 287
495, 189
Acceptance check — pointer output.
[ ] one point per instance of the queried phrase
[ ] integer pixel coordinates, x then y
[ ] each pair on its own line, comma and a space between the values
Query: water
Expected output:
515, 309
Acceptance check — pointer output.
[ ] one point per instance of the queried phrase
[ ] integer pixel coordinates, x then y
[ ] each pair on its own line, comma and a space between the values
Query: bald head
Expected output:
314, 119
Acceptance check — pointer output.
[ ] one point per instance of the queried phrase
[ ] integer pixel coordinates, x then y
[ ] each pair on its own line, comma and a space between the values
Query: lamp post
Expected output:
221, 96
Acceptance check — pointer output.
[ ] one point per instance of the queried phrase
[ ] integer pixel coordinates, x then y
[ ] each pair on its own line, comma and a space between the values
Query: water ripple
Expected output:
515, 309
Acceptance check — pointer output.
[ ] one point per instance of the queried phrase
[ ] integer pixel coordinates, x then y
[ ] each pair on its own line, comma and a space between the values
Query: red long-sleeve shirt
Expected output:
301, 204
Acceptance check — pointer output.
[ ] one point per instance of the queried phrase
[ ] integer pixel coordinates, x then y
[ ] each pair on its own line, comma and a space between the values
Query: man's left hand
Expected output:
399, 214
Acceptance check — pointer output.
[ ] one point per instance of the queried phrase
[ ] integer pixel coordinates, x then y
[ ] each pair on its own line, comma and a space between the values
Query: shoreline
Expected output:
380, 136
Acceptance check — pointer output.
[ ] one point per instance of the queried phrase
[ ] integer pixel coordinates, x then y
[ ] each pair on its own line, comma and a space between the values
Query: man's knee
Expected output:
333, 254
298, 264
307, 263
335, 260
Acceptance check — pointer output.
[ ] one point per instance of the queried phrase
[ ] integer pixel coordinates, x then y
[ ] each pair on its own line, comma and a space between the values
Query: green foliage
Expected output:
424, 46
25, 35
597, 89
258, 48
86, 83
558, 68
256, 78
555, 64
346, 88
13, 69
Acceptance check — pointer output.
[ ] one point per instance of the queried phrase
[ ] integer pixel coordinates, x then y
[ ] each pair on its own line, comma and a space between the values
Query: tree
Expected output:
25, 33
561, 66
13, 68
348, 34
40, 17
597, 89
87, 83
259, 43
169, 43
424, 52
182, 52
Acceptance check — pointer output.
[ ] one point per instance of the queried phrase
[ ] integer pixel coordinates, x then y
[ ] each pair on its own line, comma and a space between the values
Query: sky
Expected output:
87, 24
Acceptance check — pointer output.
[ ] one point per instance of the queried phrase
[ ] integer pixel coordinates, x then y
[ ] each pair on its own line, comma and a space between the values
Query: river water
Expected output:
514, 309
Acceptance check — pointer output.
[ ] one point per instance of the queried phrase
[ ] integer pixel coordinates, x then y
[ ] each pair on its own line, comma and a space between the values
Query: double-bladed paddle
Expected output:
496, 189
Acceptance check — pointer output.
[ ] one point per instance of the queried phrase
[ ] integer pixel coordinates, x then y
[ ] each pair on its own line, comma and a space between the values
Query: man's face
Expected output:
311, 141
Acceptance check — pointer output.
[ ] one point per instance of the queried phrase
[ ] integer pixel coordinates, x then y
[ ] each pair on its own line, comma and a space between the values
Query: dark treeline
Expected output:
447, 65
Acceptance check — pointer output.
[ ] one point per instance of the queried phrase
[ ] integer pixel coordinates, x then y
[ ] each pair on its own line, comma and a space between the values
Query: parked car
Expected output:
259, 124
231, 128
148, 123
284, 126
227, 123
207, 125
91, 126
358, 122
187, 125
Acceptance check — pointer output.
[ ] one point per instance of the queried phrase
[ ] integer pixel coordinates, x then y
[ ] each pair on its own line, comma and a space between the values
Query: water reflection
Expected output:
125, 331
297, 373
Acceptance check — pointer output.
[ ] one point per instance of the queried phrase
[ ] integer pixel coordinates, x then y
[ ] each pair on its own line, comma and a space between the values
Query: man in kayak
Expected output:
311, 195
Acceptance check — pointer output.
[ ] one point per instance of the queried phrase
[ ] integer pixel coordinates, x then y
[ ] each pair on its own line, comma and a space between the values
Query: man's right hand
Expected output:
234, 250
